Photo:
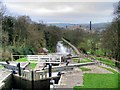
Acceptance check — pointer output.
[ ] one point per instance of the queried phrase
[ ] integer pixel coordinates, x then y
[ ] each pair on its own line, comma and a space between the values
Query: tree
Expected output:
110, 40
3, 36
74, 36
8, 26
117, 19
52, 36
111, 37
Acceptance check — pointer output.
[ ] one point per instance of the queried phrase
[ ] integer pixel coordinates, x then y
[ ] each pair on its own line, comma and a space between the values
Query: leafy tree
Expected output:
111, 37
8, 26
52, 36
110, 40
117, 19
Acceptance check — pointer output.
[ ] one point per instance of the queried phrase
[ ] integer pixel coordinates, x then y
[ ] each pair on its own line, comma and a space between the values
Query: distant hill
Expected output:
62, 24
95, 26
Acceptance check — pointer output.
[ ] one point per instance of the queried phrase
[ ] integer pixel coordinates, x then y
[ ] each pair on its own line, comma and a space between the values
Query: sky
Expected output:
63, 11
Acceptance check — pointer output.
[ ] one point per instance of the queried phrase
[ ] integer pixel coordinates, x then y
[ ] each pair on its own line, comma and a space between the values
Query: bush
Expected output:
6, 56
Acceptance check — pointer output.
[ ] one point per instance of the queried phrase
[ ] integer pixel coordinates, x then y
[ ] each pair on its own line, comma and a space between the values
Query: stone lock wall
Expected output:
25, 84
7, 83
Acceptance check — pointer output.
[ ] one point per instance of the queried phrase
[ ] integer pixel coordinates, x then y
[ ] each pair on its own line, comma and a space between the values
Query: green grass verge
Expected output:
1, 67
85, 69
82, 61
109, 69
75, 59
85, 60
100, 81
106, 61
25, 60
33, 62
33, 65
22, 60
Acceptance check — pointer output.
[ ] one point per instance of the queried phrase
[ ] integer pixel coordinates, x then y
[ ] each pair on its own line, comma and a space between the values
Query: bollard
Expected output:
59, 74
19, 69
32, 77
50, 70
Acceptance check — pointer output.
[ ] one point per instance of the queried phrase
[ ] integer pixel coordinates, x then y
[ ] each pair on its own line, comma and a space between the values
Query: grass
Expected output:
109, 69
33, 65
1, 67
99, 81
33, 61
22, 60
106, 61
85, 69
25, 60
85, 60
82, 61
99, 52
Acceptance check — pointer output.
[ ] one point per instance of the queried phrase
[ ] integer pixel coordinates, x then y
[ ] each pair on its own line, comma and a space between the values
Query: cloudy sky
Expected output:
68, 11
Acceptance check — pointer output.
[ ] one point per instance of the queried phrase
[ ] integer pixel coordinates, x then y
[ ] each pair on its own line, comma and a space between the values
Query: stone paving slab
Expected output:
3, 74
75, 77
71, 79
96, 69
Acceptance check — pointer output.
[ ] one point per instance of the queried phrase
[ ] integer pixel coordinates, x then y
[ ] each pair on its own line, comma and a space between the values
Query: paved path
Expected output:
3, 74
96, 69
75, 77
115, 69
71, 79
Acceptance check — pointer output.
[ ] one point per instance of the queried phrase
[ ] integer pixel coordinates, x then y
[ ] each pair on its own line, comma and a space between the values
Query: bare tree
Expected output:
117, 19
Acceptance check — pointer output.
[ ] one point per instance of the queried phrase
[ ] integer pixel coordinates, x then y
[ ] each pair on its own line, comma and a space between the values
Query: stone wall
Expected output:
25, 84
21, 83
7, 83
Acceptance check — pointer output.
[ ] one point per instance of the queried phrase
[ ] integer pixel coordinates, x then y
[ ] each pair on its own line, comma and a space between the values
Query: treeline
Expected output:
111, 37
21, 35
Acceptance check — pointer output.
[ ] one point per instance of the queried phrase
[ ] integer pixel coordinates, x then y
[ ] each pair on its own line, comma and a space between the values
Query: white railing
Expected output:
40, 75
50, 58
37, 75
45, 58
26, 74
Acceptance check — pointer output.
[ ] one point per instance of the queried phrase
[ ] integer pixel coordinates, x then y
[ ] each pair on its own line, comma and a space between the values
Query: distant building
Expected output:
74, 27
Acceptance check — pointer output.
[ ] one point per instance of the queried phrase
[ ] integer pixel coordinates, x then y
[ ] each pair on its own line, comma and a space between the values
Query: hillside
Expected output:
95, 26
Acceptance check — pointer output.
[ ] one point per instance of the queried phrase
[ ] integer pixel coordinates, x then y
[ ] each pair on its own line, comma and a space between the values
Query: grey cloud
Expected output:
79, 10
